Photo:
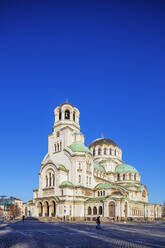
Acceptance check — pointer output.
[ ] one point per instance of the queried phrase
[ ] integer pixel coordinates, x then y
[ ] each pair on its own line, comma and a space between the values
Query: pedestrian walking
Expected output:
23, 218
98, 222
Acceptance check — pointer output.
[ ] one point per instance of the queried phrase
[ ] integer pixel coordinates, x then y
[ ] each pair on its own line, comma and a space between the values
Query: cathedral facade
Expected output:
81, 182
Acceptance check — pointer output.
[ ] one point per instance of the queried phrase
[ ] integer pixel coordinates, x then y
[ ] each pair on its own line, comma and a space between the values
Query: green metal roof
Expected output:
139, 201
99, 167
118, 198
66, 183
140, 188
78, 147
77, 132
130, 185
105, 186
62, 167
96, 199
57, 198
125, 168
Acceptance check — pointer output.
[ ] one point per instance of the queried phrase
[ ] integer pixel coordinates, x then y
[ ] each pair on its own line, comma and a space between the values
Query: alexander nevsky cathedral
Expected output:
81, 182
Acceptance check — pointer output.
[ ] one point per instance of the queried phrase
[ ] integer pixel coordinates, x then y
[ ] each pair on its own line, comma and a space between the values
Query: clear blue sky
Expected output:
107, 57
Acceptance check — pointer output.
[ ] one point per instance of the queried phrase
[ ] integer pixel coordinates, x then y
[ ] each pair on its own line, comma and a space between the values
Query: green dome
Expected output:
105, 186
78, 147
66, 183
125, 168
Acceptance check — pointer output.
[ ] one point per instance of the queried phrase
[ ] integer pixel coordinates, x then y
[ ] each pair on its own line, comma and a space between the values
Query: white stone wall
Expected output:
67, 132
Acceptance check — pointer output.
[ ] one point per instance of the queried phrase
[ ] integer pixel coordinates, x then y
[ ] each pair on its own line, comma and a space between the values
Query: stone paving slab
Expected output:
34, 234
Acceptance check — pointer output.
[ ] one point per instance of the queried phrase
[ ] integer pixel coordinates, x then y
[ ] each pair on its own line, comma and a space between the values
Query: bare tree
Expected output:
14, 211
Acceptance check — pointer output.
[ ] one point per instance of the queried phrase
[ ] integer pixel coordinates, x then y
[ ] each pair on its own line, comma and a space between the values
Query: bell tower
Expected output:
66, 115
66, 125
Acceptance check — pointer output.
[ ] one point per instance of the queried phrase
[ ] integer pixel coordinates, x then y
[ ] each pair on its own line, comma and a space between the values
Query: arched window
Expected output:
129, 176
123, 177
53, 179
79, 179
105, 151
87, 180
110, 151
60, 115
118, 177
89, 211
143, 193
94, 211
98, 193
67, 115
74, 116
60, 146
135, 177
99, 151
46, 181
50, 179
103, 193
100, 210
115, 152
94, 152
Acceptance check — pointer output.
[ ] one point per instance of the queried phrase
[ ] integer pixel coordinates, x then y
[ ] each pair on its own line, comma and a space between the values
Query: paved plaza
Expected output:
35, 234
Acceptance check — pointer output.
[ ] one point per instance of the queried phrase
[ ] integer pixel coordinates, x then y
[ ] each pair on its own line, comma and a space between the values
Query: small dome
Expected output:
103, 141
78, 147
66, 183
125, 168
66, 103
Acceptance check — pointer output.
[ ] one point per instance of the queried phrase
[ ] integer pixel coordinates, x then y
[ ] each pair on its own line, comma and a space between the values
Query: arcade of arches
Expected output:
99, 210
47, 208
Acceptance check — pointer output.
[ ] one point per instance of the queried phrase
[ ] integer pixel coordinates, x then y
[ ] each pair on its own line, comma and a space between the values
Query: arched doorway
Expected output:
126, 209
100, 210
111, 209
89, 211
94, 211
40, 209
46, 209
53, 208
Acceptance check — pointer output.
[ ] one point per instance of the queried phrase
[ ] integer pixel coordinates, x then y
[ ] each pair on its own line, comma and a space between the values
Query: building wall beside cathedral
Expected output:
82, 182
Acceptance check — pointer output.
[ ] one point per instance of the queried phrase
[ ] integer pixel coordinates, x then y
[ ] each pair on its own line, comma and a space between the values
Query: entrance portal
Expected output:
111, 209
53, 208
40, 209
46, 209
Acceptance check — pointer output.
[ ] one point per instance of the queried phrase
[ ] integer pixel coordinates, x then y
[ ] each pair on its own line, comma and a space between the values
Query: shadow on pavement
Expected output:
36, 234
